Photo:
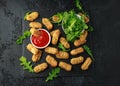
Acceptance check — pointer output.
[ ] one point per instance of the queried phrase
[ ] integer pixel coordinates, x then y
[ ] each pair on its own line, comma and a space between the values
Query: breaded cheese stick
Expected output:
81, 40
65, 66
32, 49
51, 50
86, 64
50, 60
36, 25
62, 55
35, 32
77, 60
32, 16
64, 42
76, 51
40, 67
47, 23
51, 33
36, 57
55, 36
86, 18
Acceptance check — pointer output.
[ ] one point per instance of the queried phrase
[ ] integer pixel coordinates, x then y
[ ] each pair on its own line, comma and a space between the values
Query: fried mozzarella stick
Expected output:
76, 51
47, 23
40, 67
36, 57
51, 33
77, 60
86, 18
35, 32
65, 66
35, 25
64, 42
82, 39
32, 16
50, 60
32, 49
86, 64
62, 55
55, 36
51, 50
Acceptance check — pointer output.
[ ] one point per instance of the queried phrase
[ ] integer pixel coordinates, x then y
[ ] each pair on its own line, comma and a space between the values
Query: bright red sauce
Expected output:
42, 40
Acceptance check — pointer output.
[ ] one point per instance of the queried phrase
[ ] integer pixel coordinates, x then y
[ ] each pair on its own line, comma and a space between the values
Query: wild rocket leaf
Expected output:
87, 49
53, 74
26, 64
21, 38
78, 5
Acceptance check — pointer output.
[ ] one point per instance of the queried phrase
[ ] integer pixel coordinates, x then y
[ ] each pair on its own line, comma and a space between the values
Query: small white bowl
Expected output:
42, 46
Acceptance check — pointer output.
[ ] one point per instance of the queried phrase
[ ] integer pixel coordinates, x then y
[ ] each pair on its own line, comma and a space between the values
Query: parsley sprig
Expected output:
26, 64
53, 74
21, 38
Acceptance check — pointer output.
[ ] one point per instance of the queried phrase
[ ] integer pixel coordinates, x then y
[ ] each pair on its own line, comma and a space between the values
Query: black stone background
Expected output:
105, 38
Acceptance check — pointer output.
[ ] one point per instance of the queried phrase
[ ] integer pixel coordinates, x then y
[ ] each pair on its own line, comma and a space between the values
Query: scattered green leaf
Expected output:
21, 38
90, 28
87, 49
62, 47
53, 74
26, 64
79, 5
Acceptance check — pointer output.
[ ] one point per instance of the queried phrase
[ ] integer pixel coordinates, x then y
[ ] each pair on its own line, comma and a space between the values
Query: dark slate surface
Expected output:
104, 17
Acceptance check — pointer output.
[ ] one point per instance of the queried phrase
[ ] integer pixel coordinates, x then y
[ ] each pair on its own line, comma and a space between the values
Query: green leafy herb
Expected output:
26, 65
21, 38
26, 15
73, 25
62, 47
90, 28
79, 5
88, 51
53, 74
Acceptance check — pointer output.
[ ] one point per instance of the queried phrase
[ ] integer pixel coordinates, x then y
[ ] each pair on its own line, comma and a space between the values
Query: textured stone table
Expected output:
105, 17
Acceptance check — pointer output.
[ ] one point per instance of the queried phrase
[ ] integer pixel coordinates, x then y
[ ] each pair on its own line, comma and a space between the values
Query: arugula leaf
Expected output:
62, 47
90, 28
26, 65
21, 38
88, 51
78, 5
53, 74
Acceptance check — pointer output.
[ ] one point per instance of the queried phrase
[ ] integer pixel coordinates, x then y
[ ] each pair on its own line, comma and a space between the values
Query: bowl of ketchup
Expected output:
41, 41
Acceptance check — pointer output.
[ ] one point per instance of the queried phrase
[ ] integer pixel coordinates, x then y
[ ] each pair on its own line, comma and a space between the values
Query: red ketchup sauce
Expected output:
41, 40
